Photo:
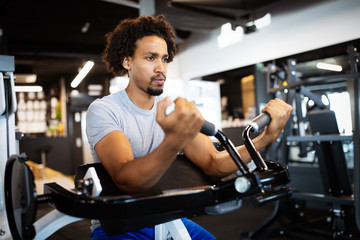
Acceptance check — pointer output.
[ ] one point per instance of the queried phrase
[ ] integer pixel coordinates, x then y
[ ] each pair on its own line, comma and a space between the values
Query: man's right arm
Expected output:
140, 174
129, 174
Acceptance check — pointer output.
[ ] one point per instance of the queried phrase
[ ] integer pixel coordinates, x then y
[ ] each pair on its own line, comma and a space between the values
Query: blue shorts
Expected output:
196, 232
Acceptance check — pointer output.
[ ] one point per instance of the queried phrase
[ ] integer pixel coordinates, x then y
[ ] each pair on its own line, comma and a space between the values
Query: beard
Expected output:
155, 91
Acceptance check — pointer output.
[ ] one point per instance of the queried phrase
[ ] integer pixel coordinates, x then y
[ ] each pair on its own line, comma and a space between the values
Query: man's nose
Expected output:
160, 66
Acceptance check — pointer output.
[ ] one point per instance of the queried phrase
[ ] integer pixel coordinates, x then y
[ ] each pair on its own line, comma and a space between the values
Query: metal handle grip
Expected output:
260, 121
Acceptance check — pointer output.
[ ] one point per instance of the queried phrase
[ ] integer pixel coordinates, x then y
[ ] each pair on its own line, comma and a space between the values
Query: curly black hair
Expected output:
121, 42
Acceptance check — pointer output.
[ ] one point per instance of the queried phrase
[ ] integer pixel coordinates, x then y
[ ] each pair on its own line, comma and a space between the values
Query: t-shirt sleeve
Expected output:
100, 121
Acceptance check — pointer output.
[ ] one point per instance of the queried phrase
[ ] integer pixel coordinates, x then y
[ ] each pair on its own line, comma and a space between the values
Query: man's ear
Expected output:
126, 63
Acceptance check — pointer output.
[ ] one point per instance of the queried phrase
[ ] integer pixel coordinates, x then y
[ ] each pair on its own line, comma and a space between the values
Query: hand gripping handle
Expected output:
260, 121
208, 128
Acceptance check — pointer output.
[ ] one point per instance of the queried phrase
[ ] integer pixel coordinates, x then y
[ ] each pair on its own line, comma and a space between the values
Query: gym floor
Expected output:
228, 226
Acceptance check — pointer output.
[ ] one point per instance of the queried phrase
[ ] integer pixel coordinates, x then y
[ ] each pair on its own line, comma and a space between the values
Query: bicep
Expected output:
114, 150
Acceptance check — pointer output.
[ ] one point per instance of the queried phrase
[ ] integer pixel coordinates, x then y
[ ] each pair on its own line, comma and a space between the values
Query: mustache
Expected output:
160, 75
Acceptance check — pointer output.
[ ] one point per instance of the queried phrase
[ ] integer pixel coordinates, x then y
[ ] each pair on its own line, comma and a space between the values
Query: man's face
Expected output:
147, 68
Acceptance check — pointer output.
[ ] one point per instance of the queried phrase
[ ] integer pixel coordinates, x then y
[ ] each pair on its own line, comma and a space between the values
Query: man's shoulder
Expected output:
105, 105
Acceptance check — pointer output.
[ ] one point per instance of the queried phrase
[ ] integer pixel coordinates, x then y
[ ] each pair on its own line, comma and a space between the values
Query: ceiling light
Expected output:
85, 28
28, 89
259, 23
328, 66
263, 22
125, 3
83, 72
74, 92
228, 36
95, 89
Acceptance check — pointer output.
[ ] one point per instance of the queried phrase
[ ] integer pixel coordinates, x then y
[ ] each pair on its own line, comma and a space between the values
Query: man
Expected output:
133, 138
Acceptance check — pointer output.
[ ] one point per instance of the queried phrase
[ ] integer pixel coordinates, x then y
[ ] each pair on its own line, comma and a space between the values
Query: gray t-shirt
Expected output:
116, 112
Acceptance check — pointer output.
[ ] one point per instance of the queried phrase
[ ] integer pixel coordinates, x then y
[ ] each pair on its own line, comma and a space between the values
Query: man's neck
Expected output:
142, 100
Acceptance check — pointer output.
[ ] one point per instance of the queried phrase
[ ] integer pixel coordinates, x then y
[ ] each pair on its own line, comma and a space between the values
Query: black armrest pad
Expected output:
108, 186
181, 174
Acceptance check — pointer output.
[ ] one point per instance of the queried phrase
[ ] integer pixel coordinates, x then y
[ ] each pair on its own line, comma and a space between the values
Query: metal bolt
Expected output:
2, 232
242, 184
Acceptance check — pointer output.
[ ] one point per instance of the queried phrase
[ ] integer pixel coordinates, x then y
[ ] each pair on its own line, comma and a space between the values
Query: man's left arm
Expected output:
215, 163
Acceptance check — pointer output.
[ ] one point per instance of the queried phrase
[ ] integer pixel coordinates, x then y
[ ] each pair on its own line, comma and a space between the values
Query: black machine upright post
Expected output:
354, 65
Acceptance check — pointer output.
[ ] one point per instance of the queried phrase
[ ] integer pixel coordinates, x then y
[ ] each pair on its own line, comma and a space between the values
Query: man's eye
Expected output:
165, 59
150, 58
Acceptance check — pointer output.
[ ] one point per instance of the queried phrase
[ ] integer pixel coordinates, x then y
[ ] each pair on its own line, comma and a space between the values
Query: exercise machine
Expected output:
8, 142
340, 194
95, 196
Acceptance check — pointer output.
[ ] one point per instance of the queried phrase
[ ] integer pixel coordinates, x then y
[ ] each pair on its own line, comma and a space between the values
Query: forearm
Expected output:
134, 174
214, 163
219, 163
142, 173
